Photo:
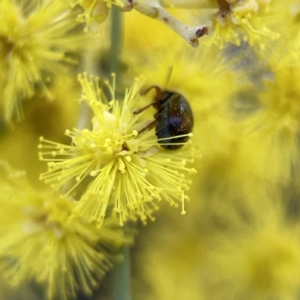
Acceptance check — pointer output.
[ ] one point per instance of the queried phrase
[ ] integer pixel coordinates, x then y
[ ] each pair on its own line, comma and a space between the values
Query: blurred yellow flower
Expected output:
42, 240
34, 39
259, 260
43, 117
284, 17
130, 170
174, 258
271, 139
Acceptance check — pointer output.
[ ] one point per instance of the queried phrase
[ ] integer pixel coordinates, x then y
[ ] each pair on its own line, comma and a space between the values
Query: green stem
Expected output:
122, 276
116, 40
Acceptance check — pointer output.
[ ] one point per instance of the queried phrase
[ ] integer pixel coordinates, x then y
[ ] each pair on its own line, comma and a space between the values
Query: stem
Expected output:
122, 276
190, 34
193, 4
116, 40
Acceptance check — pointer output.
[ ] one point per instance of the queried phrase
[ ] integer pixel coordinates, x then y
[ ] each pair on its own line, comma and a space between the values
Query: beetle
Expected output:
173, 120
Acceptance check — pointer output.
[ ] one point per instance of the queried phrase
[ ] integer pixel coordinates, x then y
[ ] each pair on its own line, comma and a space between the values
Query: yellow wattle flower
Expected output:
42, 240
271, 141
258, 259
238, 21
127, 167
34, 41
284, 18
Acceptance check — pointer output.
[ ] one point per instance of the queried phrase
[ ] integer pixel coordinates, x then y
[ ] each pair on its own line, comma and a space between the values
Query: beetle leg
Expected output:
159, 95
138, 111
148, 126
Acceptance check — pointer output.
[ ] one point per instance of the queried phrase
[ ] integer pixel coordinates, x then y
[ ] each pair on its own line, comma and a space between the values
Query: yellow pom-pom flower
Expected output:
240, 20
128, 168
271, 139
34, 40
260, 260
42, 240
